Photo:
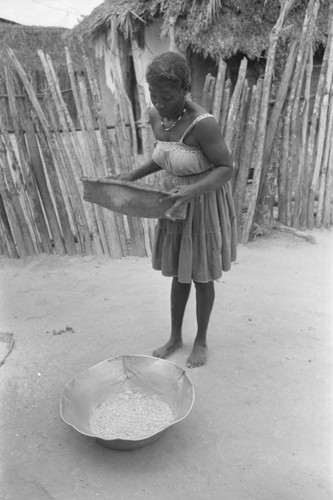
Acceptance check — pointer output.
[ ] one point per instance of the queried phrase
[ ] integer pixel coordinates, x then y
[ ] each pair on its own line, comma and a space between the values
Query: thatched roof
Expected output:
7, 21
219, 28
27, 40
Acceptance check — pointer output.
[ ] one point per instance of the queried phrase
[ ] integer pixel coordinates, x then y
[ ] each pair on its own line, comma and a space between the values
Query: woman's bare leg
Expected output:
180, 293
205, 295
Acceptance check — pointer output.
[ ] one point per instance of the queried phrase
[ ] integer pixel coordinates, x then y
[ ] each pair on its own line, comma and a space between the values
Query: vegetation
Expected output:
218, 28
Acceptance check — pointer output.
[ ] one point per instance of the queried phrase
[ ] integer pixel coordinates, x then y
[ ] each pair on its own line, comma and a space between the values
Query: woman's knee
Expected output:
209, 285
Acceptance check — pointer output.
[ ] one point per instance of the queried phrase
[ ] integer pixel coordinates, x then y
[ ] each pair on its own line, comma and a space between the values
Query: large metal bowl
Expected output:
149, 375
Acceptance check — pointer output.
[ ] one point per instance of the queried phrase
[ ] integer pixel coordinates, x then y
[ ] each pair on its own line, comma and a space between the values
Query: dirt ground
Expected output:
260, 425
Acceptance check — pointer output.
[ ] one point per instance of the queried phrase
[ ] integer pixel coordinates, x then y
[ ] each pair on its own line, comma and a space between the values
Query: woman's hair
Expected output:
169, 67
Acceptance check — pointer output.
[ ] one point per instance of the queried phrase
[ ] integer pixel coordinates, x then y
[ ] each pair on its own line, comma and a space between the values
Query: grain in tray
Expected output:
130, 415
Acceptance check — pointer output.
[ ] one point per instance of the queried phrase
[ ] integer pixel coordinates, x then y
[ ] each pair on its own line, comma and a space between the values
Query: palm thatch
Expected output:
218, 28
27, 40
7, 21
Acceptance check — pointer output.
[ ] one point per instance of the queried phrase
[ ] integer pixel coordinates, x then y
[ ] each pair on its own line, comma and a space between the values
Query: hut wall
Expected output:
103, 67
105, 53
200, 67
112, 46
154, 46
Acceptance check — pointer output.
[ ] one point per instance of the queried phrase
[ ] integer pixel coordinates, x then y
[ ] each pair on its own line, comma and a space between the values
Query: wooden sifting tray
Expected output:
129, 198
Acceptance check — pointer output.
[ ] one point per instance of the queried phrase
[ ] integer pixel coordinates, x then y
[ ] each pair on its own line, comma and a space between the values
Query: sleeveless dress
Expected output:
204, 244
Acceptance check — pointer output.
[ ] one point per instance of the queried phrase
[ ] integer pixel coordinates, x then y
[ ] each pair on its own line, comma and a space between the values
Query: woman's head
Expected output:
169, 68
168, 80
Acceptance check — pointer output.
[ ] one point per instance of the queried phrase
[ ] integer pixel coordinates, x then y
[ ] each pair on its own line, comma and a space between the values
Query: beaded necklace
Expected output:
176, 121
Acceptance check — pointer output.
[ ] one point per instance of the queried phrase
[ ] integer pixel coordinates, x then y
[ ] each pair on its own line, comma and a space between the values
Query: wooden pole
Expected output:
62, 151
88, 166
303, 141
218, 92
48, 159
97, 160
225, 106
296, 88
8, 239
235, 105
247, 150
295, 232
208, 93
18, 225
328, 201
46, 143
238, 138
274, 37
67, 151
273, 123
87, 144
141, 235
310, 150
97, 107
17, 188
292, 119
147, 145
322, 127
116, 220
138, 228
282, 176
39, 173
106, 228
324, 185
37, 218
11, 168
147, 141
328, 190
279, 101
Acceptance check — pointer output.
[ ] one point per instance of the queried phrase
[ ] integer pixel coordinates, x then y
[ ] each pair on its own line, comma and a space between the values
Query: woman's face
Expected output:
168, 99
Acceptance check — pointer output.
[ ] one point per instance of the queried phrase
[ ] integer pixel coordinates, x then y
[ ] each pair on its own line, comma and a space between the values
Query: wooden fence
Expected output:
291, 182
41, 205
43, 159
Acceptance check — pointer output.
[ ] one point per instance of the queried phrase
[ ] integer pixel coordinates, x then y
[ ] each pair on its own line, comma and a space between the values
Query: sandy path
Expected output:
260, 425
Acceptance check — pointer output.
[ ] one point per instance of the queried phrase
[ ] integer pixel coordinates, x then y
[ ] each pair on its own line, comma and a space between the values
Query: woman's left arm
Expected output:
208, 136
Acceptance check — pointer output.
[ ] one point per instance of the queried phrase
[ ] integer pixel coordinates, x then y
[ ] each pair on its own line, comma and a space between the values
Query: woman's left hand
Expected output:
180, 195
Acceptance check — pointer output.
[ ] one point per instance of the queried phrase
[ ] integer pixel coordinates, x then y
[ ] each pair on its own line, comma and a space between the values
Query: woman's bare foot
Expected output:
198, 356
171, 346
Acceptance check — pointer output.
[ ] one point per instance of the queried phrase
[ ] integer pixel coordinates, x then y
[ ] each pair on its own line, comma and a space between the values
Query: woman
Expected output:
191, 151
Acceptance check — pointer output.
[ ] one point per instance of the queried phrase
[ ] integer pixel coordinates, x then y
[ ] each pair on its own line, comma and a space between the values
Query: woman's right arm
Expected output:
149, 167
